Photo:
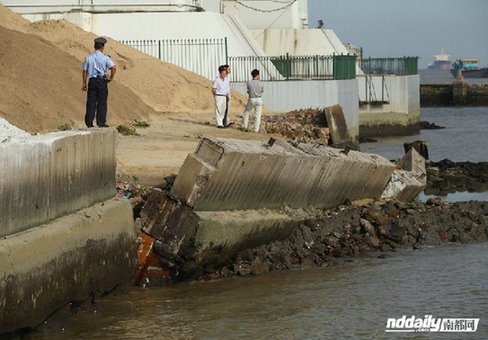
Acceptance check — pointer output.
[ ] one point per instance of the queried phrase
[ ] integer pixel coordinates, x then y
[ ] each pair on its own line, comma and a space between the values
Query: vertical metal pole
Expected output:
226, 51
383, 88
159, 49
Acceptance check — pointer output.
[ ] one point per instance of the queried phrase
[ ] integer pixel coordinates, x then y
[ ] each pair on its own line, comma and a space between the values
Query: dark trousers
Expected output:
96, 101
226, 119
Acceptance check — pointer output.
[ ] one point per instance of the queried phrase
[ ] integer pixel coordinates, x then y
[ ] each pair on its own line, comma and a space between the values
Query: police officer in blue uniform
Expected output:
95, 82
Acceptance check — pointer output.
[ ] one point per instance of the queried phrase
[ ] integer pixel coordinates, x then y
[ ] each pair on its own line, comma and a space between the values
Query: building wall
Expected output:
59, 6
400, 116
284, 96
294, 16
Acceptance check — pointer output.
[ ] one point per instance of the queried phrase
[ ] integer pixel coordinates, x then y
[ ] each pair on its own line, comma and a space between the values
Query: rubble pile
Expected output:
302, 126
8, 131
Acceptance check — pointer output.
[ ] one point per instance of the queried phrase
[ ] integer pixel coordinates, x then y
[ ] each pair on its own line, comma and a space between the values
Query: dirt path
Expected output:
162, 147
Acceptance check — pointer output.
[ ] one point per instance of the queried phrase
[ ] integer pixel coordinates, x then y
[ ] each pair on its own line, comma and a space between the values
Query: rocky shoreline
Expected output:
446, 176
370, 227
354, 230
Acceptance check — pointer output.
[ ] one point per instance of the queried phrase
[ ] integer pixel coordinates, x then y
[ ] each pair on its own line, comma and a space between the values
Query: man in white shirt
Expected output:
221, 90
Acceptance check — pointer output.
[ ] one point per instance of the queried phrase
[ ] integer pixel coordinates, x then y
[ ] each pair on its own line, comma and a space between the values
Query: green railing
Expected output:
344, 67
382, 66
286, 67
202, 56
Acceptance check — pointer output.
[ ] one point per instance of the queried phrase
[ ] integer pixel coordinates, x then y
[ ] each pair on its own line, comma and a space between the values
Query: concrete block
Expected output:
188, 241
414, 162
337, 124
241, 175
410, 181
90, 251
44, 177
403, 185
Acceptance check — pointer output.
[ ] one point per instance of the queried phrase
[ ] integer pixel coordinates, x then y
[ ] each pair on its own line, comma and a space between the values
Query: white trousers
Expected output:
220, 107
257, 105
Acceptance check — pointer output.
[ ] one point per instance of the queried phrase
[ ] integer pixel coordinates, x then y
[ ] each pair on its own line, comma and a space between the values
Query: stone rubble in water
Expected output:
8, 131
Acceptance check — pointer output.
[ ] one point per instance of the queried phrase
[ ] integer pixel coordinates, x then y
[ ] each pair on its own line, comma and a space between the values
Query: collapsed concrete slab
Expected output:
234, 194
189, 242
409, 181
72, 258
229, 174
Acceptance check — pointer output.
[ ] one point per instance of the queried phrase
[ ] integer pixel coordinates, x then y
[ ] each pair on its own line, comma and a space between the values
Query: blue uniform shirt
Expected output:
96, 64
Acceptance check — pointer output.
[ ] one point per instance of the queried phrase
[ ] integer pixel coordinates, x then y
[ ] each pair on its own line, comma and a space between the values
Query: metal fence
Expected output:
315, 67
398, 66
202, 56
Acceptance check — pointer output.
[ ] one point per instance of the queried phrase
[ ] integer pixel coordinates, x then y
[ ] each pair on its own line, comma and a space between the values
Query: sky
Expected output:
395, 28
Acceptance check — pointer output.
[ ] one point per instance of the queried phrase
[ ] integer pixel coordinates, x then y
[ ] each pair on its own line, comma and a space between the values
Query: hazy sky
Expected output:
392, 28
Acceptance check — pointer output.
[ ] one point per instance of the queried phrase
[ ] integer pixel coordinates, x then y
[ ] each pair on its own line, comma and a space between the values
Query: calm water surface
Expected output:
349, 300
465, 137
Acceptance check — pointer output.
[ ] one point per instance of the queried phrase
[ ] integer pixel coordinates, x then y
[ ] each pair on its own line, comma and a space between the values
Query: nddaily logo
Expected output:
430, 324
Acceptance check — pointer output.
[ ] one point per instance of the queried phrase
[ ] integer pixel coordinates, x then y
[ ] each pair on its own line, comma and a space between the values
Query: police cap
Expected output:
101, 40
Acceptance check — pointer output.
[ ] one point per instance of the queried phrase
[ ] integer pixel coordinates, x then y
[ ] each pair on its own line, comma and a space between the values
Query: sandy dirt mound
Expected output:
41, 86
163, 86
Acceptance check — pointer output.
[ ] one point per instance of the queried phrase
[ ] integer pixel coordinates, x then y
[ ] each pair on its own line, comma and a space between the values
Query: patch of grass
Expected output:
65, 127
140, 123
126, 130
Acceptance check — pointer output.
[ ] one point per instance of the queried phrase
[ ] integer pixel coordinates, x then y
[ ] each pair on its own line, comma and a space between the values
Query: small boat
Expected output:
469, 68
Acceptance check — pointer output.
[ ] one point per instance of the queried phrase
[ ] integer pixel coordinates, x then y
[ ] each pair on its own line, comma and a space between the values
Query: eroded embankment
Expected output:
352, 229
349, 231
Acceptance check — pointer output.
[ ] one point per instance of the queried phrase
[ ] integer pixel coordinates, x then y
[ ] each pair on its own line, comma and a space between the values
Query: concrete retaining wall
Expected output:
400, 116
285, 96
226, 174
69, 259
48, 176
442, 95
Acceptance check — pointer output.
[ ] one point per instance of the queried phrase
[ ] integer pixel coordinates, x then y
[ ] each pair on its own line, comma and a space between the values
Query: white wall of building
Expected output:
401, 92
261, 14
58, 6
284, 96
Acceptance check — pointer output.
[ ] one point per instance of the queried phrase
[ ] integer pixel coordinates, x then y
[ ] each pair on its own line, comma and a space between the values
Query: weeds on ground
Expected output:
127, 130
140, 123
65, 127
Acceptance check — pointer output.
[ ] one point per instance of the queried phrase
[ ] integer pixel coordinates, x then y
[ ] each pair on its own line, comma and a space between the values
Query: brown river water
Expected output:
350, 300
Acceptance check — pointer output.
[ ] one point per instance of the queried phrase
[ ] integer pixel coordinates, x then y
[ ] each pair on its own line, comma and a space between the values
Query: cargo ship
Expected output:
470, 68
441, 62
